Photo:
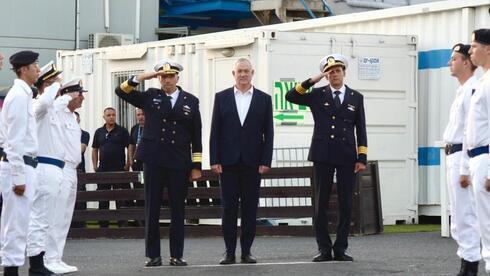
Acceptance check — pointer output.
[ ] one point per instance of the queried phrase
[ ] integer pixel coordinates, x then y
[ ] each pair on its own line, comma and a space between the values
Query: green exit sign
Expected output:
284, 111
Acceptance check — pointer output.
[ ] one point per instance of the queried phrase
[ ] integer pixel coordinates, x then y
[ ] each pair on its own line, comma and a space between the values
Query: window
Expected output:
126, 114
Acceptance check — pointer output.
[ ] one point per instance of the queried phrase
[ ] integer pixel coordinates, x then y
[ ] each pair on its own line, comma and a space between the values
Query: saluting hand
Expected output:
195, 175
359, 167
464, 181
19, 189
146, 76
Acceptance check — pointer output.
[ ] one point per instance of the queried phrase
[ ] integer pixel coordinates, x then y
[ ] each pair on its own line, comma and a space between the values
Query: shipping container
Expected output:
382, 67
438, 26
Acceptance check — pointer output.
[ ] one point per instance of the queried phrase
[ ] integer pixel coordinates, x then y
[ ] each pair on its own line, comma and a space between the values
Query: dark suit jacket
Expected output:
232, 143
169, 135
333, 138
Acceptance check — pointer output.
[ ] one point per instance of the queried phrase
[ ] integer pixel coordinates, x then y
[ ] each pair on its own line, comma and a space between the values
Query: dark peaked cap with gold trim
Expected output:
168, 66
481, 36
332, 61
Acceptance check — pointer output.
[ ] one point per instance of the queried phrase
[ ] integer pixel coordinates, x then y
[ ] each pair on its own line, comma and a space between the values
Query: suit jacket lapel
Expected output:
231, 100
347, 97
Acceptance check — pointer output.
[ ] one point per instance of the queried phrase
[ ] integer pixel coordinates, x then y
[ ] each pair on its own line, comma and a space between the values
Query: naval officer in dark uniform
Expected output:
338, 112
171, 150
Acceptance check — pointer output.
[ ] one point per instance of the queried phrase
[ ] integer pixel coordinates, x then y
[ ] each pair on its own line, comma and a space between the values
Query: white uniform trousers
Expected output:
464, 225
49, 178
478, 171
15, 215
65, 203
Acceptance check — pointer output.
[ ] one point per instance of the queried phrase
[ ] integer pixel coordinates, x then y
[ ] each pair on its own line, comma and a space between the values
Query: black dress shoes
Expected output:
228, 259
248, 259
157, 261
322, 257
177, 262
343, 258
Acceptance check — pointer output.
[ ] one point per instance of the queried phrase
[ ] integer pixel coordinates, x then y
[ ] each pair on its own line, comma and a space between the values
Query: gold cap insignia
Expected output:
330, 61
457, 48
166, 67
473, 37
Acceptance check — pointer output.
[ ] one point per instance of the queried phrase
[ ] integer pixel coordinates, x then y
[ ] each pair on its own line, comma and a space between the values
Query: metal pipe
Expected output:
371, 5
137, 22
106, 16
77, 24
308, 9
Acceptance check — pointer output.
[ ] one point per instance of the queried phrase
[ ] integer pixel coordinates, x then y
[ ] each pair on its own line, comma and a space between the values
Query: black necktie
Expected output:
336, 99
167, 102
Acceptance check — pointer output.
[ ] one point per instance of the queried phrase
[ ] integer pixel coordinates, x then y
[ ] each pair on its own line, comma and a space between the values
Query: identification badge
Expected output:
351, 107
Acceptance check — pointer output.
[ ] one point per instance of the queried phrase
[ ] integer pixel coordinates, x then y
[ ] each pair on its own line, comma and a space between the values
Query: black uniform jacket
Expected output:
336, 129
171, 136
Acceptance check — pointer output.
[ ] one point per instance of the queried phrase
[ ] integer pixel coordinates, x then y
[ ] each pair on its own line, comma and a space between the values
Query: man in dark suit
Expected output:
171, 151
241, 150
338, 112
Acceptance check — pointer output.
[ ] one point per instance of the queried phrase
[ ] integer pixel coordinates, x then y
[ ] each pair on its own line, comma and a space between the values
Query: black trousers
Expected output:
176, 182
240, 186
323, 173
104, 205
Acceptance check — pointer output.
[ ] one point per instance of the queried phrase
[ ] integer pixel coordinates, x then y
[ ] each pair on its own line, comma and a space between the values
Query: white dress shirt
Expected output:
243, 100
49, 129
458, 113
71, 132
174, 96
342, 92
20, 129
477, 133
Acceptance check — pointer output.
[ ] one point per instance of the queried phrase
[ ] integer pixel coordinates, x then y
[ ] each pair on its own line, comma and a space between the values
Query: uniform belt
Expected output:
28, 160
452, 148
51, 161
477, 151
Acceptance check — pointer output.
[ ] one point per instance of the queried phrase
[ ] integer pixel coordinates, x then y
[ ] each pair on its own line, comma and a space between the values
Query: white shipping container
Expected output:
381, 67
438, 26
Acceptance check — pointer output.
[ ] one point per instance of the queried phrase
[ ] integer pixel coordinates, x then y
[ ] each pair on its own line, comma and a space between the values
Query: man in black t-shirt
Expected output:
108, 155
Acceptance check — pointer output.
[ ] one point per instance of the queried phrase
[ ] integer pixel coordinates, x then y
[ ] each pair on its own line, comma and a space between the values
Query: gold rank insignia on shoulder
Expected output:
351, 107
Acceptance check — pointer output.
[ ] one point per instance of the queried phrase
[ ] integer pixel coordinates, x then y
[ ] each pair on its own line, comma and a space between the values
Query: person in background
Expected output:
18, 177
81, 169
338, 146
71, 98
171, 150
50, 162
108, 155
475, 159
464, 227
240, 146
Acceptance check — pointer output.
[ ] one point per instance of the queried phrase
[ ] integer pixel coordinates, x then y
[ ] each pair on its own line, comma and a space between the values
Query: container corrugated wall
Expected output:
438, 26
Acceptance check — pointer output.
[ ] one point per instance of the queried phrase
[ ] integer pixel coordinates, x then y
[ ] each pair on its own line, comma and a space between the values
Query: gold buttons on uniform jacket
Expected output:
333, 127
332, 136
175, 122
164, 120
173, 142
163, 130
333, 117
161, 139
173, 132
